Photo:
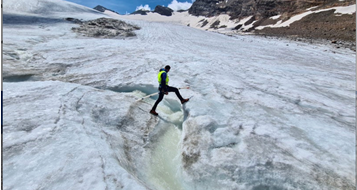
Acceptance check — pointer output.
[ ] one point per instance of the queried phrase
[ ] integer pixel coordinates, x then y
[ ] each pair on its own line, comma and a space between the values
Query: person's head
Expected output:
167, 68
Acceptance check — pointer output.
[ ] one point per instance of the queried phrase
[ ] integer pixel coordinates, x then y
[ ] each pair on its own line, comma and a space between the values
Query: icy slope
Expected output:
51, 141
264, 113
44, 7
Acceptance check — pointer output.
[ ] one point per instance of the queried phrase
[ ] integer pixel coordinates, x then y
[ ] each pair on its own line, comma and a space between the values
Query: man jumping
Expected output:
164, 88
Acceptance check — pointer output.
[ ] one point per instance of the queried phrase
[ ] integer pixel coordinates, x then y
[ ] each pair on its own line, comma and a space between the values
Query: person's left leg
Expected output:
161, 96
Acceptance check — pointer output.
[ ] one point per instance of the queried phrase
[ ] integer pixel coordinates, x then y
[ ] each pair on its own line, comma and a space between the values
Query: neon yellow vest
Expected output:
159, 77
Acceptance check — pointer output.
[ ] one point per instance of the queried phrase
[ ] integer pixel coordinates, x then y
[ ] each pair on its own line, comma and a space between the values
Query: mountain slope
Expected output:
260, 9
317, 26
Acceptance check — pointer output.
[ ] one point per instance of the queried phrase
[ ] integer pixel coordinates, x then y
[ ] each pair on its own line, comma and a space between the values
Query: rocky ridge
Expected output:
103, 9
104, 28
141, 12
165, 11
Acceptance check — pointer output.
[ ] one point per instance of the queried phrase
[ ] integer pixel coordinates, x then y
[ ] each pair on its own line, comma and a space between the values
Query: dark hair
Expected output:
167, 67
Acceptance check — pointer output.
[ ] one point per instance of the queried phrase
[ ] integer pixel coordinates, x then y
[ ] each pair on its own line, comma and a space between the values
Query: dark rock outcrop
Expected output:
106, 28
74, 20
166, 11
140, 12
103, 9
100, 8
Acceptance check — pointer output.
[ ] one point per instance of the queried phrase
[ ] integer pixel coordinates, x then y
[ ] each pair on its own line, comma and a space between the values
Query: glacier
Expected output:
264, 113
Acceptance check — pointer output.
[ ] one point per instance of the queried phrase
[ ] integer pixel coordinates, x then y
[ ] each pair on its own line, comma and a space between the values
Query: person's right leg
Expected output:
177, 92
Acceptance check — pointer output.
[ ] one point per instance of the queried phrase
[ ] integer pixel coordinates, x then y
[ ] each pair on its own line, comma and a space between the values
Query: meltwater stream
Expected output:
164, 167
165, 163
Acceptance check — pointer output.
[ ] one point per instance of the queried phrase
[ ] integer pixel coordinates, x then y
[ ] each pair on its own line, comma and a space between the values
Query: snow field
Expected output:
264, 113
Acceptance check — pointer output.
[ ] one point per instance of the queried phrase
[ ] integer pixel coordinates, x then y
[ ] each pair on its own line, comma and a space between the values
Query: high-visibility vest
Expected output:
159, 77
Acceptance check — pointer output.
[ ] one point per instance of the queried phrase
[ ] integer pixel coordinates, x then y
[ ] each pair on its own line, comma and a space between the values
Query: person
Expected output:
164, 88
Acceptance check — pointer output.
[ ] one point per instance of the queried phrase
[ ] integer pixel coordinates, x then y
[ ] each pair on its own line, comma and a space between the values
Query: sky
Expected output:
127, 7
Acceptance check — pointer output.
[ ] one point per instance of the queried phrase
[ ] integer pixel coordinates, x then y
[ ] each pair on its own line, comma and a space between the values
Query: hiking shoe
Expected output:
154, 112
184, 101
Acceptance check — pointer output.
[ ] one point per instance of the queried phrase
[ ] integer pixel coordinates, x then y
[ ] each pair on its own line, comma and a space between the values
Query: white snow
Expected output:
275, 17
183, 18
346, 10
263, 114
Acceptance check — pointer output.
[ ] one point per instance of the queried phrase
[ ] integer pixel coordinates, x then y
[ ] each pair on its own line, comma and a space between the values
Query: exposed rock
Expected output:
238, 27
106, 28
205, 22
103, 9
260, 9
163, 10
74, 20
215, 24
100, 8
141, 12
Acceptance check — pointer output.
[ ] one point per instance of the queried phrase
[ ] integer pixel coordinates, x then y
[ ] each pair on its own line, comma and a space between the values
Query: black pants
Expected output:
161, 95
